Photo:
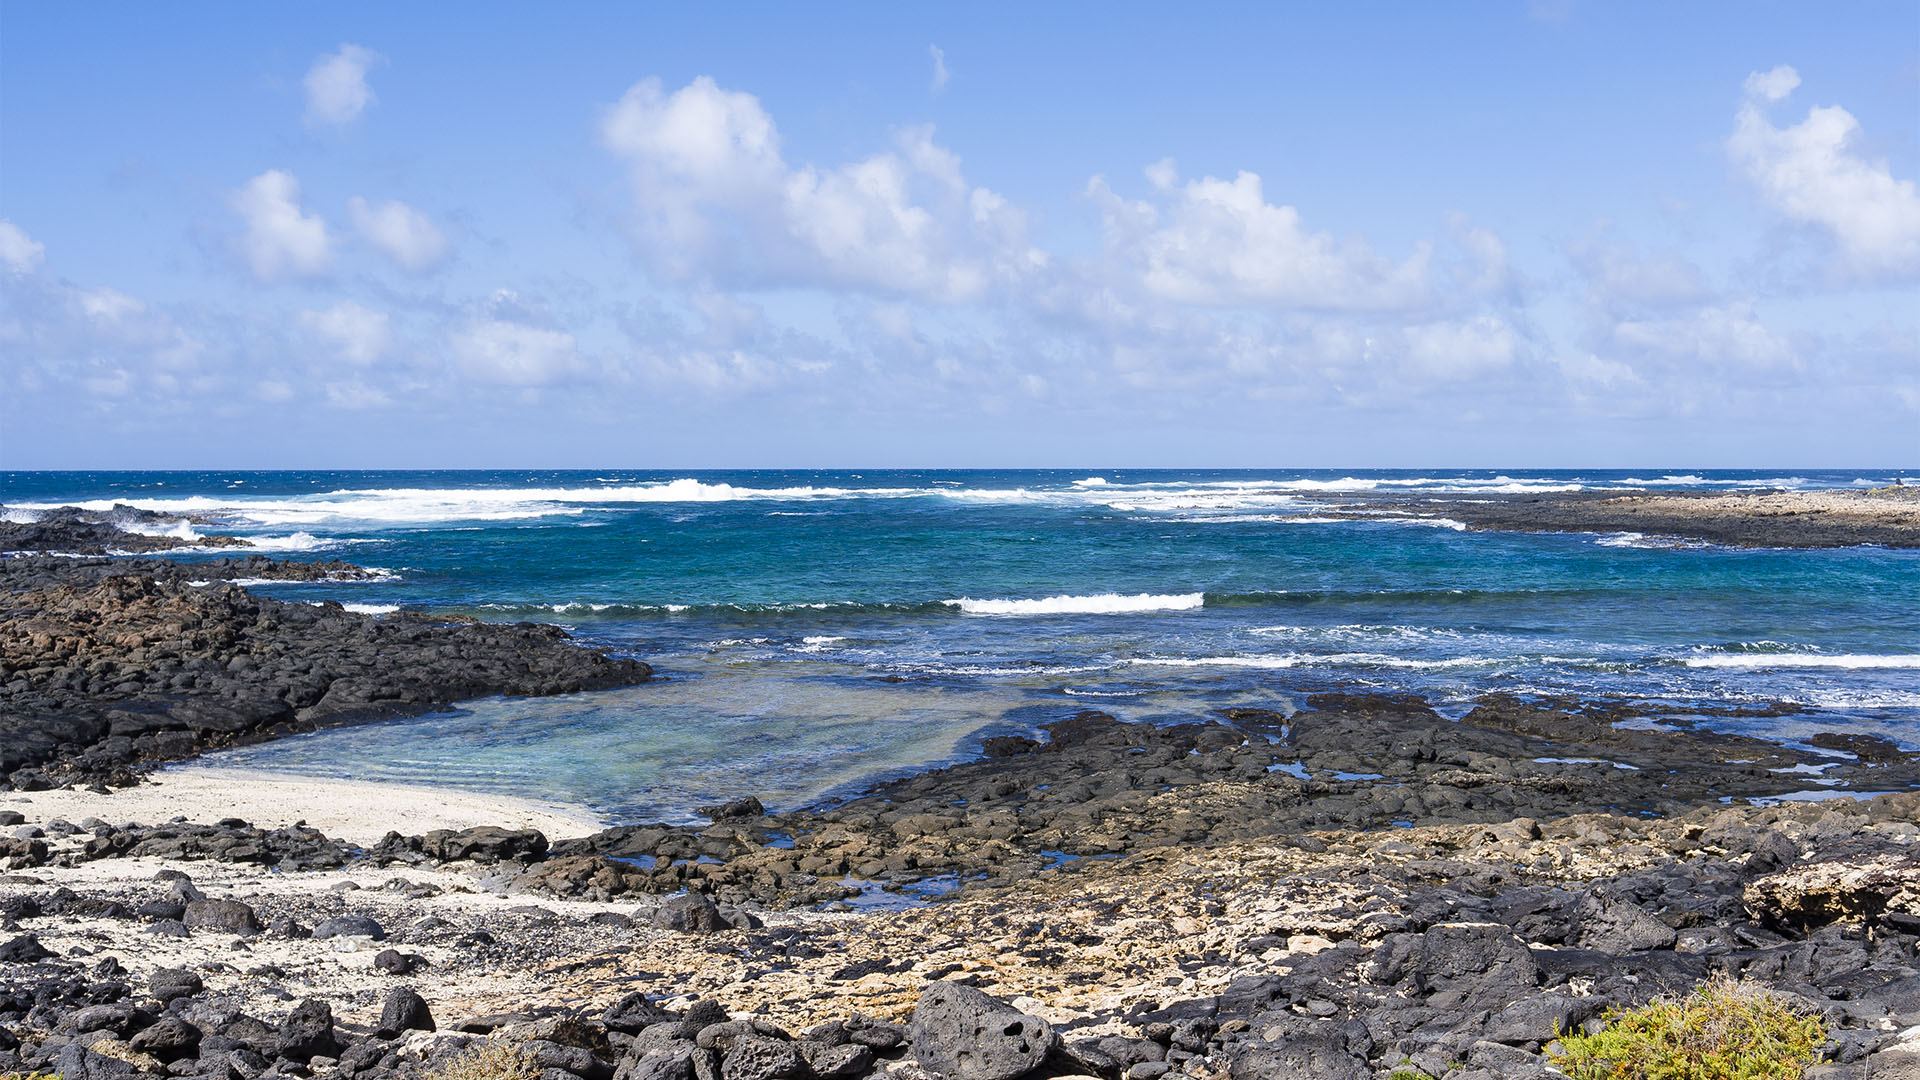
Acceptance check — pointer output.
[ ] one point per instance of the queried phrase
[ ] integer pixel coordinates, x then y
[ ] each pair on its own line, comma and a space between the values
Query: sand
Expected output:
359, 812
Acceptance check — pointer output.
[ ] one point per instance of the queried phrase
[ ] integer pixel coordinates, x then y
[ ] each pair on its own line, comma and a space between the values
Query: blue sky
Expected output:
1537, 233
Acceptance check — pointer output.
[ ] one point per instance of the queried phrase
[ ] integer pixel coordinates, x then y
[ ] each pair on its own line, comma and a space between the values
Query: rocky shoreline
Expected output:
1884, 517
1360, 889
109, 666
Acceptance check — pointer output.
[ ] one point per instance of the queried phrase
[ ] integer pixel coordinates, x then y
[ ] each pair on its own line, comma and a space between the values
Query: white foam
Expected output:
1805, 660
179, 530
823, 639
1291, 660
1103, 604
1091, 481
300, 541
372, 609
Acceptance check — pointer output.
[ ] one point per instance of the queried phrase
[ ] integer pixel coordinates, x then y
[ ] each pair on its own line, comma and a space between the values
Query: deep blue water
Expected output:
821, 628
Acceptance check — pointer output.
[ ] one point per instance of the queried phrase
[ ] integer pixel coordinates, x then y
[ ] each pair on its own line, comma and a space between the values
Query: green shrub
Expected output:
1724, 1031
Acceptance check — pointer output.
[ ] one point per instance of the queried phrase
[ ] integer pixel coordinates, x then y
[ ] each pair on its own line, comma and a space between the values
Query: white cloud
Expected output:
1724, 337
400, 232
501, 351
1619, 278
21, 253
337, 90
1772, 85
1813, 172
718, 202
1220, 243
273, 391
1449, 351
281, 240
940, 75
356, 395
356, 334
1592, 370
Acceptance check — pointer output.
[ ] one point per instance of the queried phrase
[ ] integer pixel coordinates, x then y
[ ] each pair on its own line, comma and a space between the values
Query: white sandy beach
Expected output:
350, 810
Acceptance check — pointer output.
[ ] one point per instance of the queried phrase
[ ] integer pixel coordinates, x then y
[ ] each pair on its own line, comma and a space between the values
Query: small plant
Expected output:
491, 1062
1725, 1030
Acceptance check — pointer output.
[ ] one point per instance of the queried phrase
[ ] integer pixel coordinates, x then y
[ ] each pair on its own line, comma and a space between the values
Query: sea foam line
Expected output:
1103, 604
1806, 660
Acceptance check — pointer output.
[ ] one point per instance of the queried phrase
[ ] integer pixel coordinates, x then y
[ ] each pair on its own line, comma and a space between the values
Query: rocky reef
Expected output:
110, 665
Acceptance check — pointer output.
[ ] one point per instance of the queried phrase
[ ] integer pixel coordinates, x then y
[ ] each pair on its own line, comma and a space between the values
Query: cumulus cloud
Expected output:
718, 202
281, 240
1619, 279
1721, 337
356, 334
940, 75
1457, 350
1814, 172
1220, 243
21, 253
400, 232
337, 89
514, 353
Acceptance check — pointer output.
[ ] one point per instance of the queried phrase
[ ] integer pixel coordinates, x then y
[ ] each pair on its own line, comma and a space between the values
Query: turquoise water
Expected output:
819, 629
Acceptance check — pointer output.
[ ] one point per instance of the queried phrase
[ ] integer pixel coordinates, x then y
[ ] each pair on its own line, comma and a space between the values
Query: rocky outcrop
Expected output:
103, 675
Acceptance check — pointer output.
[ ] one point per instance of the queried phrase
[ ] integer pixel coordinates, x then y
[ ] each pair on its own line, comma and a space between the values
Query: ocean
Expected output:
819, 630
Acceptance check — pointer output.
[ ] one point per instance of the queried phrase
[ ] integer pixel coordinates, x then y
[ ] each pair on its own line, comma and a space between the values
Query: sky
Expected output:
1532, 233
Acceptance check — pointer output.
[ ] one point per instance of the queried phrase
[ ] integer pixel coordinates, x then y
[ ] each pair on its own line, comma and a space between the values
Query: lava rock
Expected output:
307, 1032
227, 916
966, 1034
349, 926
167, 984
404, 1010
690, 912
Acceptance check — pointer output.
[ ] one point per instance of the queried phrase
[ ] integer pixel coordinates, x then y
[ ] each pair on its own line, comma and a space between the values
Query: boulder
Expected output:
632, 1013
965, 1034
404, 1010
226, 916
349, 926
690, 912
25, 949
756, 1057
167, 984
168, 1040
307, 1032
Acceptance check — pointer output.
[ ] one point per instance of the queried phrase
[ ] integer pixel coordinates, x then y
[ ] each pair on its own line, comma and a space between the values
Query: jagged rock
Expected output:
965, 1034
633, 1013
307, 1032
25, 949
169, 1039
756, 1057
1803, 898
1618, 926
1302, 1057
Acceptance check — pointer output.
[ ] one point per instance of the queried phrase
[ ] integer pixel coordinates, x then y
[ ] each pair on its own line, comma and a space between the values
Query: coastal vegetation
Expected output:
1724, 1030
